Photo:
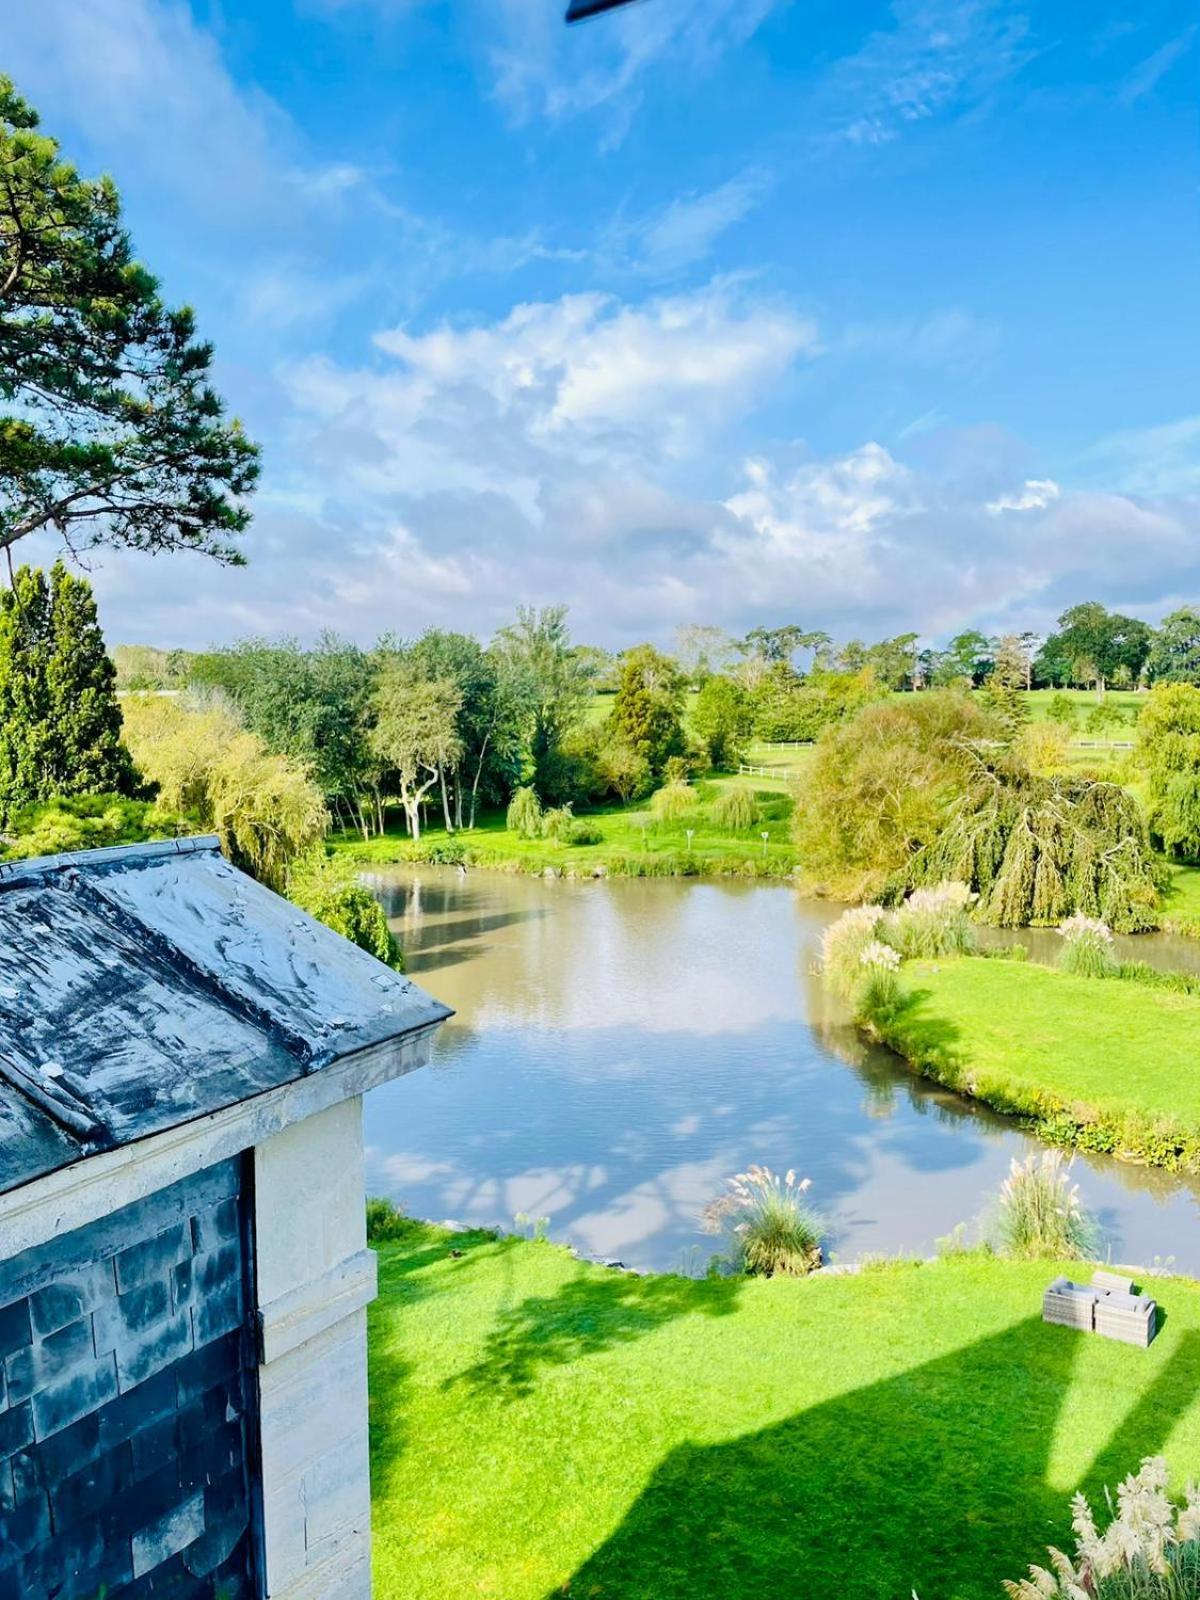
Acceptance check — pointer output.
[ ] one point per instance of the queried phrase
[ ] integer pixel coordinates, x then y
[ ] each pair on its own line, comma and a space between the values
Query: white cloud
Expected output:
1035, 495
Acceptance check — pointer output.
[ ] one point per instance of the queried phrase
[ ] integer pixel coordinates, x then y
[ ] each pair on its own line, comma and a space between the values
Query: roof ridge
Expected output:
12, 872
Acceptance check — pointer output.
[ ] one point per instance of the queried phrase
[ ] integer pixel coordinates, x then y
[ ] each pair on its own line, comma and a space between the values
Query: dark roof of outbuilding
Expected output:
143, 986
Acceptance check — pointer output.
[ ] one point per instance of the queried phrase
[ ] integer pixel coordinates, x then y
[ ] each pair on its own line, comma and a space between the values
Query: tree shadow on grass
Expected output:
928, 1483
929, 1043
585, 1316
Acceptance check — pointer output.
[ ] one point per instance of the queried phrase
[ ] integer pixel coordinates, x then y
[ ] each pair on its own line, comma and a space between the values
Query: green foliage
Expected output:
308, 704
1061, 710
558, 824
60, 724
140, 667
880, 787
647, 712
1168, 751
1093, 645
673, 802
114, 433
89, 822
525, 814
325, 887
1037, 850
582, 834
386, 1223
415, 733
1105, 718
770, 1228
623, 771
204, 763
1175, 652
1040, 1213
735, 810
787, 708
551, 684
721, 719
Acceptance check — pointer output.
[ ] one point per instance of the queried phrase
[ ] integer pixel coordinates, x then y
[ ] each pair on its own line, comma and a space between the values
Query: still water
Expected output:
620, 1048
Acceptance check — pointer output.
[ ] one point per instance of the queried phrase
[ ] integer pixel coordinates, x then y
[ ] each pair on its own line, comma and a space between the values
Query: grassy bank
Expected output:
1105, 1064
630, 841
541, 1428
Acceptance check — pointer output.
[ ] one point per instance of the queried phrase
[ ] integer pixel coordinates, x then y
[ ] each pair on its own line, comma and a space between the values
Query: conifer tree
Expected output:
81, 693
60, 724
25, 760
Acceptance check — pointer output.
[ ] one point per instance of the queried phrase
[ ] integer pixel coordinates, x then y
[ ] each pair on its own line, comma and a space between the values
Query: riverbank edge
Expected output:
1131, 1136
559, 863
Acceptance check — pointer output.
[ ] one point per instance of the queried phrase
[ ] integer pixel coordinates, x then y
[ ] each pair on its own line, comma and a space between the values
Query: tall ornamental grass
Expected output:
1087, 949
1040, 1212
877, 993
934, 922
842, 946
769, 1226
1149, 1551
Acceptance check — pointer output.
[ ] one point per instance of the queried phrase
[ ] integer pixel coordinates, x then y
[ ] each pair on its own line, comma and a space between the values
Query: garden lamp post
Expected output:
764, 837
689, 832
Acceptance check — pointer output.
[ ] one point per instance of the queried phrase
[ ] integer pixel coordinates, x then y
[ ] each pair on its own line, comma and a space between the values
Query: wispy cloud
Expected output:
938, 57
1146, 75
1162, 460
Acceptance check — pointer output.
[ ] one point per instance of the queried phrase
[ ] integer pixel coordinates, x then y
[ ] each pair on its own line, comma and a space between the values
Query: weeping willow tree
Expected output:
1038, 849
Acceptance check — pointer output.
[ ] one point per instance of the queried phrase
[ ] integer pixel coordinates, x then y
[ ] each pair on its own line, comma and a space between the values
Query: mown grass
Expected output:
1104, 1063
541, 1428
632, 843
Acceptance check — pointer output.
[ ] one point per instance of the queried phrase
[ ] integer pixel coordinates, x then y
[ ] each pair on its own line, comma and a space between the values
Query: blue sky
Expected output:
867, 317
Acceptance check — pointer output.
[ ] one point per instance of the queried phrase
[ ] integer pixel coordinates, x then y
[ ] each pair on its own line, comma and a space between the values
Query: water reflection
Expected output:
620, 1048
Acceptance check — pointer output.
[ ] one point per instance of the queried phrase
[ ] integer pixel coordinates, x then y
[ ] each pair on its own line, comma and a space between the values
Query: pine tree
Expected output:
60, 724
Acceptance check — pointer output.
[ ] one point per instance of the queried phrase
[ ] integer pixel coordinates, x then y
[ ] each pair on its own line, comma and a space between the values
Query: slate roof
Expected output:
144, 986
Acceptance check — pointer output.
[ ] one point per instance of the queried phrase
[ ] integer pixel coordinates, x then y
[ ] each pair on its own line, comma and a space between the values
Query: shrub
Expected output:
770, 1227
1087, 948
1149, 1551
842, 946
558, 823
440, 852
386, 1221
1061, 710
1040, 1213
88, 822
735, 810
934, 922
326, 888
673, 802
582, 833
1044, 746
524, 817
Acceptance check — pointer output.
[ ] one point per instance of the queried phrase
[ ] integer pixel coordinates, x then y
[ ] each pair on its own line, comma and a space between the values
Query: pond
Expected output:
621, 1047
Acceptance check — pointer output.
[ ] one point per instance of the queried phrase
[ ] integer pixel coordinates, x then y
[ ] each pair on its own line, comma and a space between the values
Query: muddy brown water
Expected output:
621, 1047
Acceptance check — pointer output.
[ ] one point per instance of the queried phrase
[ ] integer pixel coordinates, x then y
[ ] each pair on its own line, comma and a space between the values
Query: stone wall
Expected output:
127, 1410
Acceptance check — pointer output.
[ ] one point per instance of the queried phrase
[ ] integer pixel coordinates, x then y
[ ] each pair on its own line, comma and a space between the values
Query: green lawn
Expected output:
632, 842
1110, 1063
542, 1429
1181, 901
